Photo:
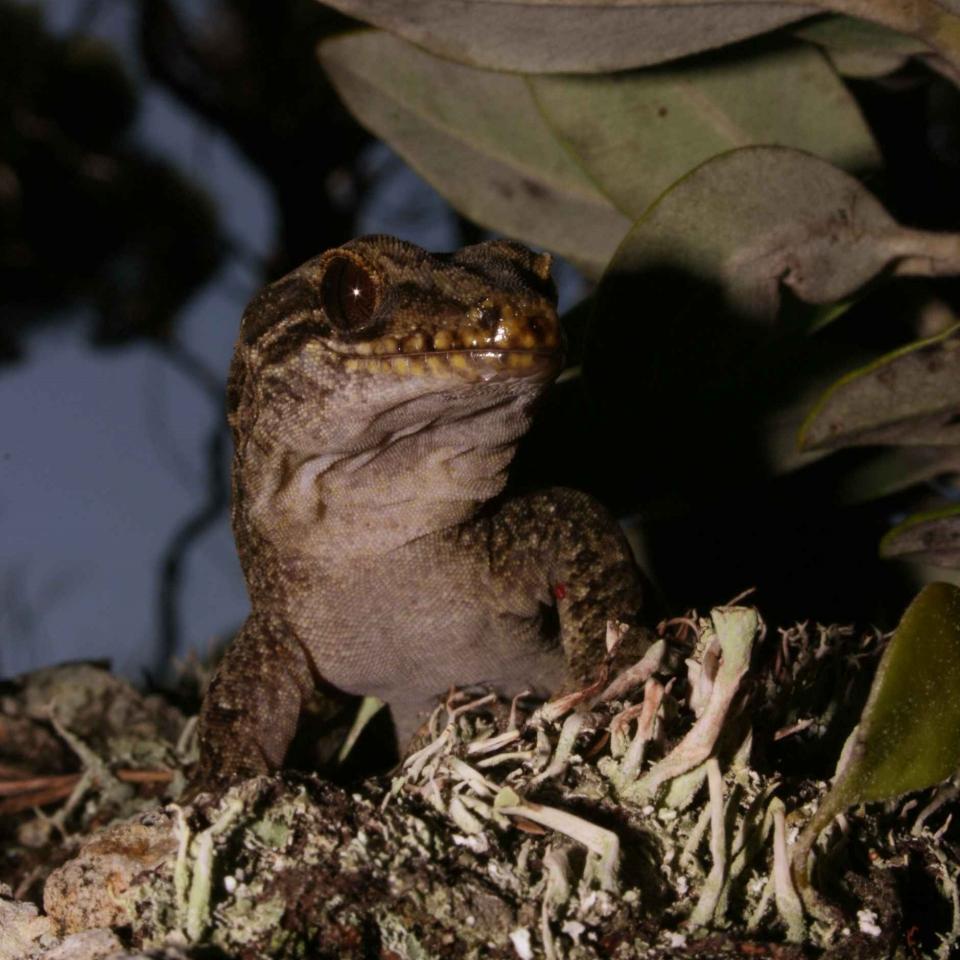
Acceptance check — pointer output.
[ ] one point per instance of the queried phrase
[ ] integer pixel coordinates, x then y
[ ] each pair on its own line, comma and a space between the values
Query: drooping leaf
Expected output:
557, 36
908, 737
896, 468
758, 219
481, 139
858, 48
636, 133
777, 428
597, 36
935, 22
909, 733
932, 537
478, 137
684, 349
910, 396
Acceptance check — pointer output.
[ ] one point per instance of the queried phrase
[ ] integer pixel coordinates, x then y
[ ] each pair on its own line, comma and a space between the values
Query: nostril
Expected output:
489, 318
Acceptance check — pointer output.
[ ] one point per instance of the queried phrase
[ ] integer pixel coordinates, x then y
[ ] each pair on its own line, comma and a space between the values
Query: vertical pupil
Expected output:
348, 293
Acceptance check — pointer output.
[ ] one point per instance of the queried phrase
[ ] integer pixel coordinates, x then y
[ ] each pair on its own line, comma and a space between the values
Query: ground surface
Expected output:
651, 815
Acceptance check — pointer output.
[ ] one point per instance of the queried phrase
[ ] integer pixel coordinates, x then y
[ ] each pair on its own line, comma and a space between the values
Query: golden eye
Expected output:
348, 293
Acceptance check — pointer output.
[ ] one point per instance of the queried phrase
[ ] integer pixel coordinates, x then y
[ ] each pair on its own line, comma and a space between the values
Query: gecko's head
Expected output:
379, 324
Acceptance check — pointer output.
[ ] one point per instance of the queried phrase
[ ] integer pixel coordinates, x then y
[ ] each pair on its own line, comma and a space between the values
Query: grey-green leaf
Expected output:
909, 732
684, 348
636, 133
858, 48
908, 737
935, 22
932, 537
909, 396
756, 220
897, 468
558, 36
478, 137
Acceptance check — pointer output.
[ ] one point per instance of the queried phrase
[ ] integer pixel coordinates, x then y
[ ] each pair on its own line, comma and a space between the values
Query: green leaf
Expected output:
932, 537
934, 22
637, 133
909, 732
761, 218
555, 161
597, 36
909, 736
691, 347
479, 138
557, 36
858, 48
897, 468
910, 396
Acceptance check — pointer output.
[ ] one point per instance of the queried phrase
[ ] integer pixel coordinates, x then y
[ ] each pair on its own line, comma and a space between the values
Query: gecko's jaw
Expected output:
492, 342
473, 365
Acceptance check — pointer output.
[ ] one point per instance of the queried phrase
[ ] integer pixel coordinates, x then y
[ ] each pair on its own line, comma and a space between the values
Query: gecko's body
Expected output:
376, 398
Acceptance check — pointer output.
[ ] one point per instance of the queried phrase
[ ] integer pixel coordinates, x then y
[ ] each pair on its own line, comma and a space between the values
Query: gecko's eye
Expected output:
349, 294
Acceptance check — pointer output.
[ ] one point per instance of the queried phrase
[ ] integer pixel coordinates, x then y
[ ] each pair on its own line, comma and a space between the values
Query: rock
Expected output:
24, 934
89, 945
91, 890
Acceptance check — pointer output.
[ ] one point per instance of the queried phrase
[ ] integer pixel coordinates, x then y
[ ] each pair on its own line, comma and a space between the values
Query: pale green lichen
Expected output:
272, 831
788, 901
197, 916
397, 938
250, 918
728, 639
625, 826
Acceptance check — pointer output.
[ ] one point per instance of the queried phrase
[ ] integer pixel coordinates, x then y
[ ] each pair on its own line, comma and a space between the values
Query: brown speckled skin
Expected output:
377, 557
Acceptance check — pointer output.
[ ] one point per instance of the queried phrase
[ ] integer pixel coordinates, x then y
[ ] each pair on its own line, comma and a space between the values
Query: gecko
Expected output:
376, 397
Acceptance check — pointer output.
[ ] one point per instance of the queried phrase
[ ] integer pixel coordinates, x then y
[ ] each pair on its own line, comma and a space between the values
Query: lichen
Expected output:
647, 817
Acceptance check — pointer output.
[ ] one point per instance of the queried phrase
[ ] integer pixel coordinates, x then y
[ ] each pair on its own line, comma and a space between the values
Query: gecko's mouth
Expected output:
501, 343
470, 364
